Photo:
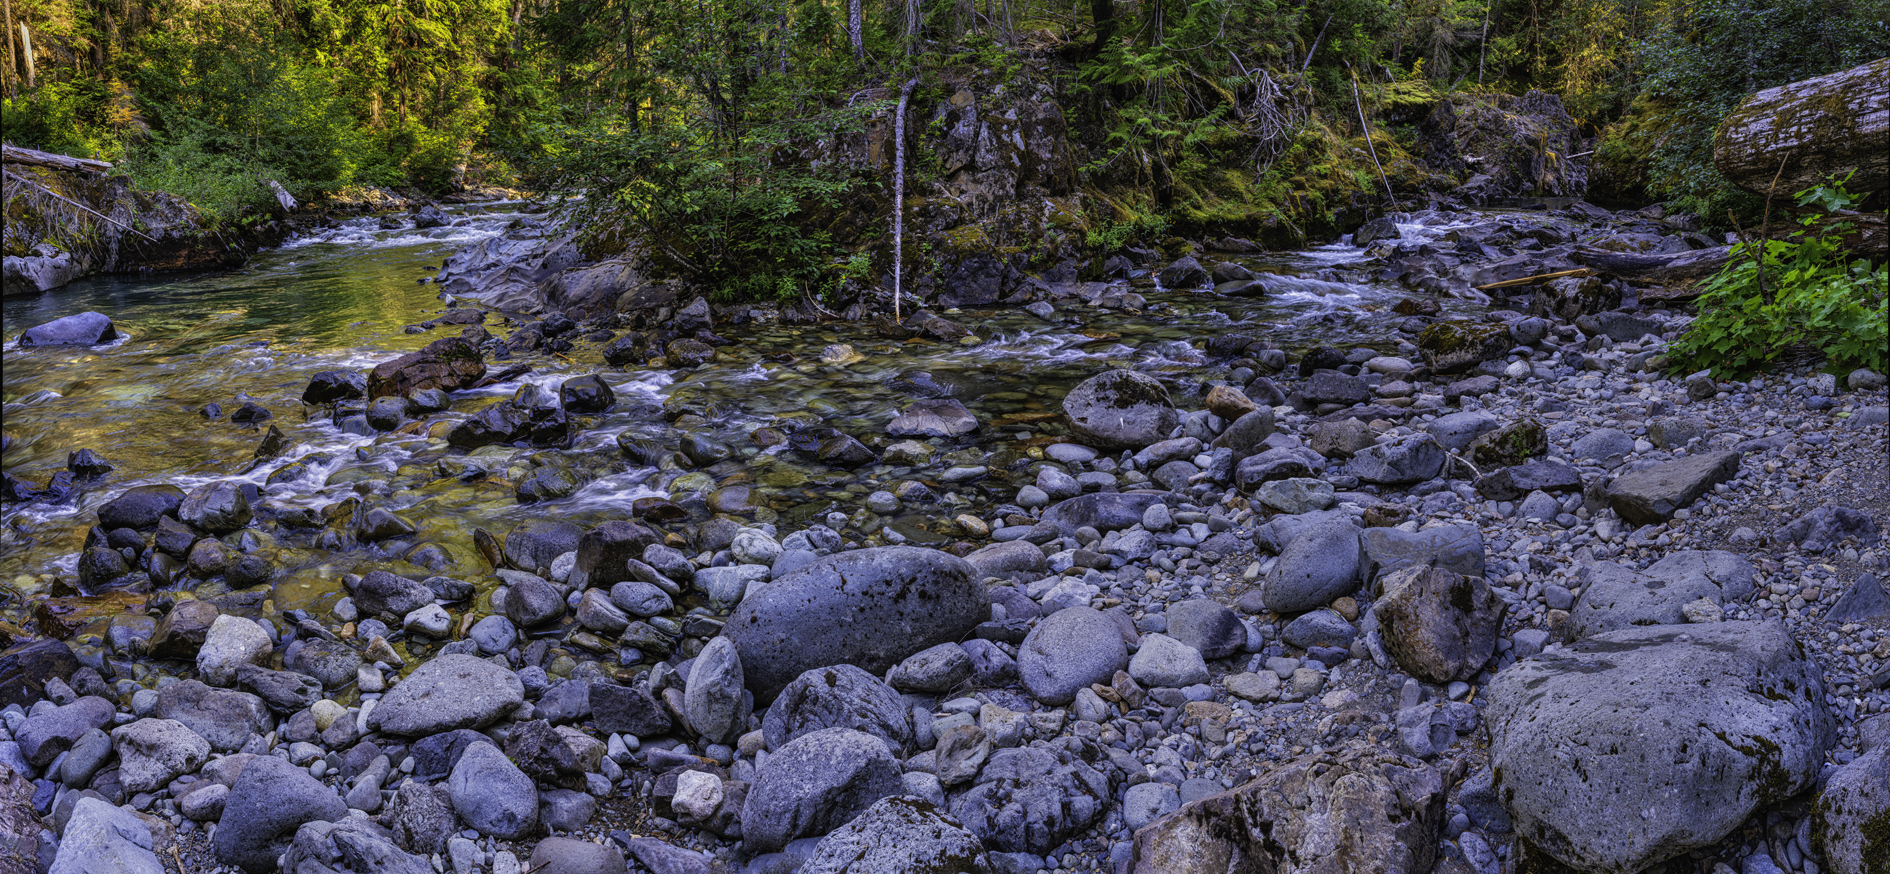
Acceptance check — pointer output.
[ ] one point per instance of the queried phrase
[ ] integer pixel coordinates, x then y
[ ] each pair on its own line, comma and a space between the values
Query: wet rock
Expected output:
387, 413
1184, 274
331, 662
270, 801
533, 545
251, 413
1069, 650
1616, 598
902, 835
1439, 625
1355, 809
1103, 511
140, 507
545, 484
1030, 800
87, 463
531, 601
378, 524
329, 386
449, 363
604, 552
1120, 409
509, 423
1320, 564
1247, 434
895, 600
181, 632
942, 417
844, 452
284, 691
840, 696
815, 784
1690, 727
102, 839
79, 329
26, 668
380, 593
687, 352
1648, 496
1457, 345
447, 693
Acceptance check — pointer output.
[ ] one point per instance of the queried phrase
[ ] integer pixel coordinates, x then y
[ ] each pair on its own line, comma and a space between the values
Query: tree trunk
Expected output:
1678, 266
855, 30
1816, 127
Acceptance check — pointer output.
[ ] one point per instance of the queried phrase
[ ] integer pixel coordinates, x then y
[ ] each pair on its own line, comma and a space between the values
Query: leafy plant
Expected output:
1776, 298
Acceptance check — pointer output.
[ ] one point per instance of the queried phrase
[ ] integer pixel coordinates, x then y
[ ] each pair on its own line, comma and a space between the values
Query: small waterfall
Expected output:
899, 192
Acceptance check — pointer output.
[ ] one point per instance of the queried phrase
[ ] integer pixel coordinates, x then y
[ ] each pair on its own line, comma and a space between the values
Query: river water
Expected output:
341, 298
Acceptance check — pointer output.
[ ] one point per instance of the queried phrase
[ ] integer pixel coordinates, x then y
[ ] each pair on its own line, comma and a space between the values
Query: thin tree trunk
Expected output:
1368, 142
12, 71
899, 193
26, 50
914, 23
855, 30
1483, 42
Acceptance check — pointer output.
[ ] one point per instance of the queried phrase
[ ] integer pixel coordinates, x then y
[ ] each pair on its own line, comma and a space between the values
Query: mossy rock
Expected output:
1459, 344
1509, 445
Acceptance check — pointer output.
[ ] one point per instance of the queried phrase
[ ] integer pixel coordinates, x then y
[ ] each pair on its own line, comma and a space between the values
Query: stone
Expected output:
1358, 808
1341, 439
1571, 298
1003, 559
628, 710
421, 817
815, 784
1252, 472
960, 753
1455, 546
898, 835
1864, 601
78, 329
840, 696
329, 386
47, 733
1031, 800
867, 607
1322, 627
218, 508
1399, 461
354, 845
1147, 802
1606, 446
531, 601
1120, 409
1069, 650
1321, 564
934, 670
140, 507
1438, 624
153, 752
558, 855
1166, 662
449, 363
102, 839
224, 717
1848, 822
389, 596
1246, 434
1296, 495
641, 599
939, 417
231, 643
491, 794
332, 662
714, 696
662, 858
604, 552
1690, 727
1215, 631
1649, 496
180, 634
1228, 402
270, 801
447, 693
1455, 431
1826, 527
1457, 345
1535, 475
1333, 387
1102, 511
1673, 432
1615, 598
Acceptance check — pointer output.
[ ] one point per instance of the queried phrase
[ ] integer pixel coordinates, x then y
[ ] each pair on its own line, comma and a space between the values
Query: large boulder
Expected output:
1031, 799
1628, 748
270, 801
51, 731
1069, 650
1120, 409
902, 835
1440, 625
153, 752
1851, 823
26, 668
140, 507
101, 839
447, 693
491, 794
1616, 597
815, 784
868, 607
352, 846
1650, 496
1355, 809
79, 329
1409, 459
224, 717
1103, 511
1455, 546
449, 363
1320, 564
1458, 345
841, 696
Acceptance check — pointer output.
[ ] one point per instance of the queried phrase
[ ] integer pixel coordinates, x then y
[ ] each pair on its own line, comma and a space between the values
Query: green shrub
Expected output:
1810, 297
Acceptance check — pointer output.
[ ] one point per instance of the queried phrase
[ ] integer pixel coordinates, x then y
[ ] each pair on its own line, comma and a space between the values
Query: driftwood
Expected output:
1815, 127
35, 158
1673, 267
1527, 280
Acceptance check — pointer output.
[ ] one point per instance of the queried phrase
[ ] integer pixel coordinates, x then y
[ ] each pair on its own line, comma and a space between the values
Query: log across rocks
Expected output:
1814, 128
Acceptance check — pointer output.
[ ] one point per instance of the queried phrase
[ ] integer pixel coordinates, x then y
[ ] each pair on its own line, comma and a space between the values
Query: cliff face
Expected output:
66, 223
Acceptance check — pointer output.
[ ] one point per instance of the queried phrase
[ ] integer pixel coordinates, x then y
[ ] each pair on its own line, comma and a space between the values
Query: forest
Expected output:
648, 105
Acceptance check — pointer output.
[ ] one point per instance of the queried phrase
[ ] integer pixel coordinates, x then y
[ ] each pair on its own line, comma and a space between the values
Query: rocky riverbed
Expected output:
1482, 594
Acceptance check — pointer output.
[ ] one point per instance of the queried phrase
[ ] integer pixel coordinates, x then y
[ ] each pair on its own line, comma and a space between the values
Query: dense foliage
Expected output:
1798, 297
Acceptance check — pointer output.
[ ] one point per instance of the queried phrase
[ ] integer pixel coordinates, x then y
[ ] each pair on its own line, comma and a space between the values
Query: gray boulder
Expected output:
1069, 650
940, 417
352, 846
815, 784
1120, 409
1215, 631
449, 692
1848, 823
1648, 496
868, 607
1535, 475
218, 508
1004, 559
1337, 812
901, 835
1031, 799
1255, 471
1318, 566
1616, 597
1825, 527
1166, 662
231, 644
1103, 511
1409, 459
1864, 601
153, 752
224, 717
1603, 445
102, 839
1245, 435
1454, 431
1456, 547
43, 736
270, 801
531, 601
491, 794
714, 700
421, 818
1628, 748
935, 670
841, 696
390, 596
573, 856
78, 329
1439, 625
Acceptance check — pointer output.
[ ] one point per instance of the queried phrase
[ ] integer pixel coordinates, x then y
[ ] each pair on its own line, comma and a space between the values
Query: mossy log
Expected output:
35, 158
1827, 125
1674, 267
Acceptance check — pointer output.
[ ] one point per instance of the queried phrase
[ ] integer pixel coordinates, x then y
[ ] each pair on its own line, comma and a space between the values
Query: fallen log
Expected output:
1827, 125
1672, 267
1528, 280
35, 158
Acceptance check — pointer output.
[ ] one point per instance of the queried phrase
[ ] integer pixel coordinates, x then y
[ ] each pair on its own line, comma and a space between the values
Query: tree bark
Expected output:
1816, 127
855, 30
